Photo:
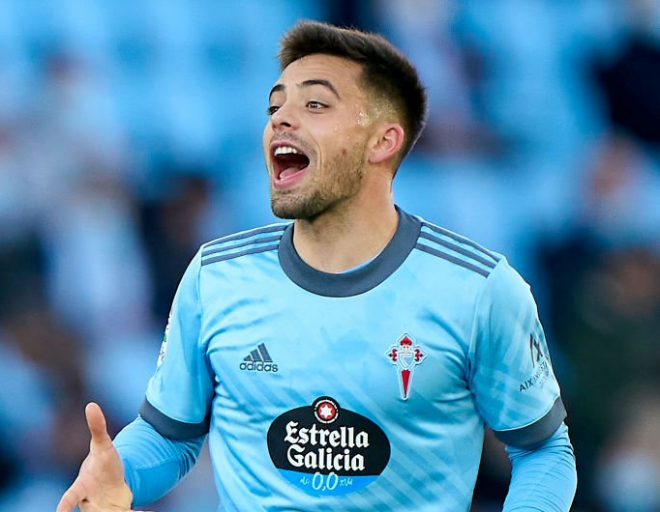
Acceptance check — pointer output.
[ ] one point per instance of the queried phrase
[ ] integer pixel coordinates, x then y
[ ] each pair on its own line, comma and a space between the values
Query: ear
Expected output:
386, 143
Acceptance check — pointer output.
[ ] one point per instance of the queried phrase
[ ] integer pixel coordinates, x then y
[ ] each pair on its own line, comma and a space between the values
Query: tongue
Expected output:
293, 162
289, 172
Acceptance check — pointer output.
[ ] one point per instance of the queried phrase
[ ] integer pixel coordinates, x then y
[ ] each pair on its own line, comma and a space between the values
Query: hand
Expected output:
100, 485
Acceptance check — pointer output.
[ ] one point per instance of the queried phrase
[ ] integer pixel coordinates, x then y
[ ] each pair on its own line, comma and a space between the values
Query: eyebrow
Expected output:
307, 83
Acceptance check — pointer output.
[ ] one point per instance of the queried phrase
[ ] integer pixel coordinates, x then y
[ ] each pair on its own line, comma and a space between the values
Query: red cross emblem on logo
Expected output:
405, 354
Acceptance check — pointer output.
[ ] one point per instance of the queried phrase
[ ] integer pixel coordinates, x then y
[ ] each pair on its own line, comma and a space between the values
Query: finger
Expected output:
71, 498
97, 427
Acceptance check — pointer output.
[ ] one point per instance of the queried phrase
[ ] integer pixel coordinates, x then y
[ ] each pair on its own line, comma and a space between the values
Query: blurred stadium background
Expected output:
130, 133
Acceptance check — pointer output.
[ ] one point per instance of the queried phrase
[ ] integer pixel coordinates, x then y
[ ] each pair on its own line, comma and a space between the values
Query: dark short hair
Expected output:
385, 70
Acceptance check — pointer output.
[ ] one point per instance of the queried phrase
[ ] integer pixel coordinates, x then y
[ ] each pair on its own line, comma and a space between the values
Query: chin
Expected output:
296, 208
288, 211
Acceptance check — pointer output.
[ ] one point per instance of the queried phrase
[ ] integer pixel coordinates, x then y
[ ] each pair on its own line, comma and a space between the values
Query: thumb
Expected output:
97, 427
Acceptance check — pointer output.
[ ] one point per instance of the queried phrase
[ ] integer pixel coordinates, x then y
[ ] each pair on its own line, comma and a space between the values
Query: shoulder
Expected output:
456, 249
242, 243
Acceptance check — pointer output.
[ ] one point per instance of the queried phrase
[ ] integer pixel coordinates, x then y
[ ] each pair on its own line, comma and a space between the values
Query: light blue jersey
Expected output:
367, 390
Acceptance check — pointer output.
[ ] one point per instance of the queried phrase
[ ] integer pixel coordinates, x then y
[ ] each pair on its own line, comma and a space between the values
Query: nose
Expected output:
284, 118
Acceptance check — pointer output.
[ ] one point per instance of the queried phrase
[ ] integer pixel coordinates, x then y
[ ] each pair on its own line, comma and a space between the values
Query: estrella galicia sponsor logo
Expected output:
326, 450
540, 365
258, 360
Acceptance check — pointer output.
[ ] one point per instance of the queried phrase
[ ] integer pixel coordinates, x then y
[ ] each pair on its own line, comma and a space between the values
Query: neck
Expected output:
347, 236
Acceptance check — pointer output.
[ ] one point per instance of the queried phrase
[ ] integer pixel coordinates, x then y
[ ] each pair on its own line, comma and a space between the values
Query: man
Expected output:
348, 360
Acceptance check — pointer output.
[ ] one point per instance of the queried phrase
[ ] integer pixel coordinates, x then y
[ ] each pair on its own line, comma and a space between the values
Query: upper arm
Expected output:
179, 394
511, 376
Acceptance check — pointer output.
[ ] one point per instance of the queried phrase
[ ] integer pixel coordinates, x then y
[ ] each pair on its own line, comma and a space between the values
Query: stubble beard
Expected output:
342, 180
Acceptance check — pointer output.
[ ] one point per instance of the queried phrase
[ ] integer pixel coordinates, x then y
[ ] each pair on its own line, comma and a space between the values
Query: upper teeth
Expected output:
285, 150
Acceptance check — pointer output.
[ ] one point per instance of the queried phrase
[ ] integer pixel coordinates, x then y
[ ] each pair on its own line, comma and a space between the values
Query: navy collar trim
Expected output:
355, 282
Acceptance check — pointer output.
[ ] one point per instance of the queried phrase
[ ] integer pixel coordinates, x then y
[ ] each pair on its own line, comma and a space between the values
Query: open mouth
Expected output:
288, 161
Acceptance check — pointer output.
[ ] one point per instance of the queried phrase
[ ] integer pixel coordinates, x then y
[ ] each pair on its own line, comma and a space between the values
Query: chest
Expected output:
389, 346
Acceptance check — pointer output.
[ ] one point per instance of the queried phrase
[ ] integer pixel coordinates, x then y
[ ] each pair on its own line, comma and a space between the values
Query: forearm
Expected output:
543, 479
153, 464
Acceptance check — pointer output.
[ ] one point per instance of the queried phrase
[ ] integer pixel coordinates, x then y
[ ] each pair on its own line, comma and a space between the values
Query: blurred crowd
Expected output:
130, 132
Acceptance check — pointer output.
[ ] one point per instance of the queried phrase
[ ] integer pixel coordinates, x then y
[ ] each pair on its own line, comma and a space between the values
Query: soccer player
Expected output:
348, 360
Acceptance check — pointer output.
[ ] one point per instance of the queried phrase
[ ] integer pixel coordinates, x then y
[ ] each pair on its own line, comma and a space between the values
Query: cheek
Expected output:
266, 142
266, 135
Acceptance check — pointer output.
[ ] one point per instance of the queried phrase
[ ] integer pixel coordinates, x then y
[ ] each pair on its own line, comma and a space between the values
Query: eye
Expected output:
315, 105
272, 109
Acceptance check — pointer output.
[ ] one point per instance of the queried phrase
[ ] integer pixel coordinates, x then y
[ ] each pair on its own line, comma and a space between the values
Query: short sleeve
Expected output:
511, 373
179, 394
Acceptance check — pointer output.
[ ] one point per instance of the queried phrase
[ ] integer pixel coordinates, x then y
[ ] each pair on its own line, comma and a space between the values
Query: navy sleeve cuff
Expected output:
531, 435
171, 428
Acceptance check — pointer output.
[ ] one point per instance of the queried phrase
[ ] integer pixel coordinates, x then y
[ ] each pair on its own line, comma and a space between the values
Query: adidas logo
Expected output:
259, 360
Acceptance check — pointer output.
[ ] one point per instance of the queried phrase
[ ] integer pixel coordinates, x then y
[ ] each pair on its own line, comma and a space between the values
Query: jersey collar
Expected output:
357, 281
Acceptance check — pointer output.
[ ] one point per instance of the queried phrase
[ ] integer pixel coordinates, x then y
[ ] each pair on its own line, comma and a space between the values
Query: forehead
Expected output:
342, 73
